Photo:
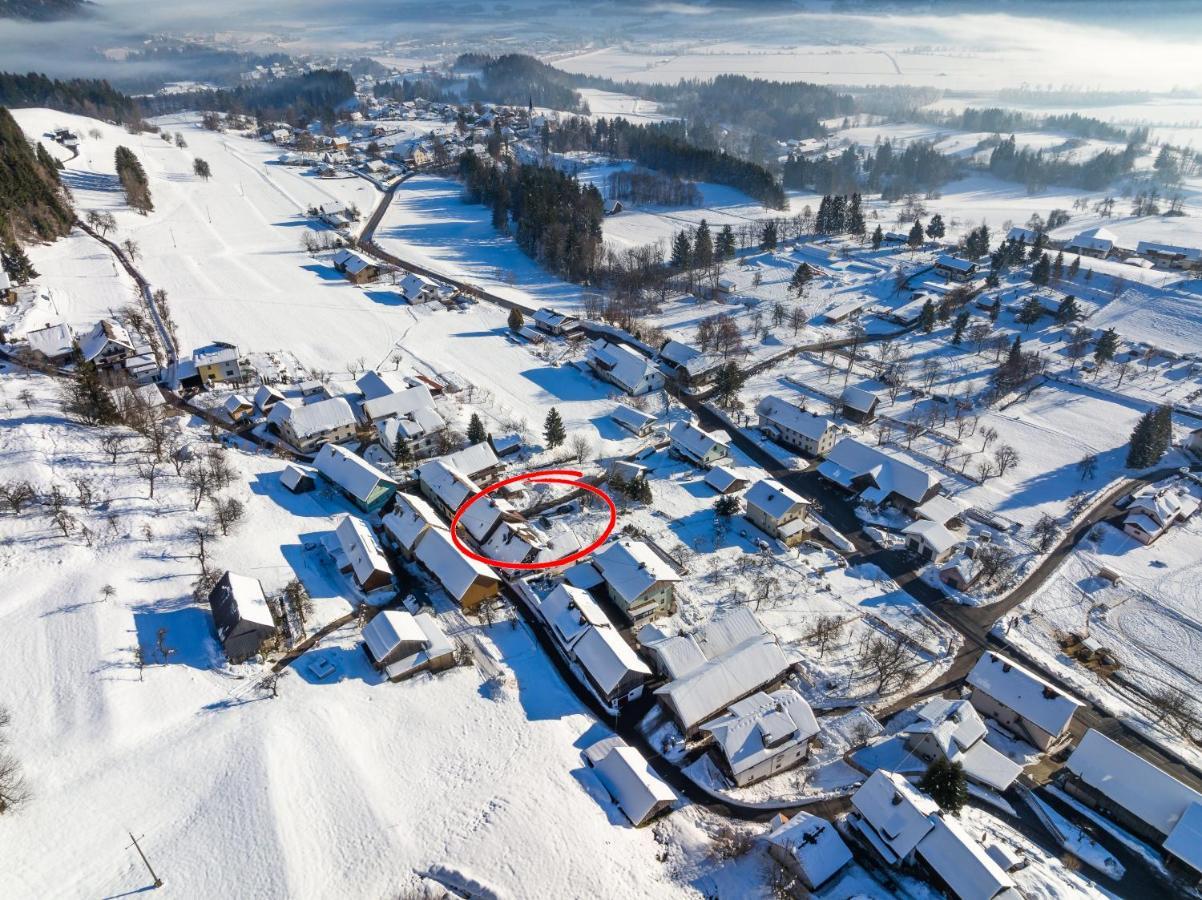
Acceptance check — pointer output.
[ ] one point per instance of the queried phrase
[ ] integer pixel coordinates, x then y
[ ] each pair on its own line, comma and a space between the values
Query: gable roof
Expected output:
454, 571
473, 460
1021, 690
352, 262
608, 658
238, 598
814, 843
717, 683
934, 535
360, 547
773, 498
694, 442
409, 520
1185, 840
858, 399
102, 333
620, 363
633, 785
571, 612
955, 263
375, 384
446, 482
413, 285
352, 473
781, 412
631, 568
722, 479
630, 418
324, 415
266, 397
398, 403
1150, 794
900, 815
761, 726
851, 459
52, 340
388, 628
961, 862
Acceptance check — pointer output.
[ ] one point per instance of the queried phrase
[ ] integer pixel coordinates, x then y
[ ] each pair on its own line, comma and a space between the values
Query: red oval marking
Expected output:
544, 476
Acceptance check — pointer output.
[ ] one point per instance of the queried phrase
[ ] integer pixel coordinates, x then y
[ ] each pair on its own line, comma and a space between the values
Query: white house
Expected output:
325, 422
637, 579
952, 730
1155, 511
696, 446
373, 384
763, 734
1020, 701
778, 511
401, 644
1098, 242
635, 788
809, 848
787, 424
418, 289
626, 368
554, 322
419, 430
892, 815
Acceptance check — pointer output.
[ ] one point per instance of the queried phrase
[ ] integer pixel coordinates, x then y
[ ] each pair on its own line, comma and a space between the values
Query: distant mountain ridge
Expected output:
43, 10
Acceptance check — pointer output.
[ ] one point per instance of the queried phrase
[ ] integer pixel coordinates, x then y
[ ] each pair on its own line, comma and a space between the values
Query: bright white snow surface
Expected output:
344, 785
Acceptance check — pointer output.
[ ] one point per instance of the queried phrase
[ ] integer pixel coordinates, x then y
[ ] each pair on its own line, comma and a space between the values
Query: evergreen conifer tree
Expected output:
915, 239
725, 246
935, 228
682, 252
768, 235
516, 319
926, 318
553, 431
1141, 451
958, 327
1068, 311
1107, 346
801, 278
475, 430
17, 265
946, 784
703, 247
878, 238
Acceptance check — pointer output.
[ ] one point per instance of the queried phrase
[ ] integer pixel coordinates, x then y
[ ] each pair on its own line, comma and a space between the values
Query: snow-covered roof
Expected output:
235, 403
934, 535
631, 568
961, 862
781, 412
454, 571
1025, 235
858, 399
1163, 506
237, 598
692, 360
608, 658
762, 726
1194, 254
625, 366
551, 318
391, 627
375, 384
940, 509
266, 397
632, 783
959, 732
446, 482
294, 474
722, 479
414, 285
1021, 690
693, 442
814, 843
473, 460
676, 656
281, 412
324, 415
514, 542
398, 403
1098, 238
720, 635
571, 612
409, 519
1185, 840
352, 473
215, 354
1150, 794
955, 264
51, 341
900, 815
351, 261
851, 459
104, 332
482, 516
411, 426
360, 548
719, 682
631, 419
773, 499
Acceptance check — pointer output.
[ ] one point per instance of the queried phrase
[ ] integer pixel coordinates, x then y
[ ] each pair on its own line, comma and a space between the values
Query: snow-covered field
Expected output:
1151, 621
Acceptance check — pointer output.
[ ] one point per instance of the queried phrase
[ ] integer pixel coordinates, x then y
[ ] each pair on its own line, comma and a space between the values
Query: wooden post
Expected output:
158, 882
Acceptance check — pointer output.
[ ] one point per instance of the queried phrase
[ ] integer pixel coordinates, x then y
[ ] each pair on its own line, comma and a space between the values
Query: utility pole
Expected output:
158, 882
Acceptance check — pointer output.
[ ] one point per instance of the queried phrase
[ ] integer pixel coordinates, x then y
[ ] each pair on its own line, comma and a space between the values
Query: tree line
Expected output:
555, 220
918, 168
33, 203
516, 79
91, 97
133, 179
294, 99
1038, 169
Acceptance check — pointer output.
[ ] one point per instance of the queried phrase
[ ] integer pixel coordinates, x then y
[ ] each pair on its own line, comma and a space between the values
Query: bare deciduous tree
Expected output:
886, 658
17, 496
581, 447
1006, 458
201, 535
228, 513
826, 631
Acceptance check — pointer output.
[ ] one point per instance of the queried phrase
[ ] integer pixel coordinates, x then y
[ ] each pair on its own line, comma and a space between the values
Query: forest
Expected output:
918, 168
554, 220
516, 79
32, 203
1038, 170
90, 97
294, 99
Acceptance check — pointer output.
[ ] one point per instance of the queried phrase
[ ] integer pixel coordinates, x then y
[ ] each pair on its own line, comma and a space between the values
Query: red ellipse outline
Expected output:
541, 477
